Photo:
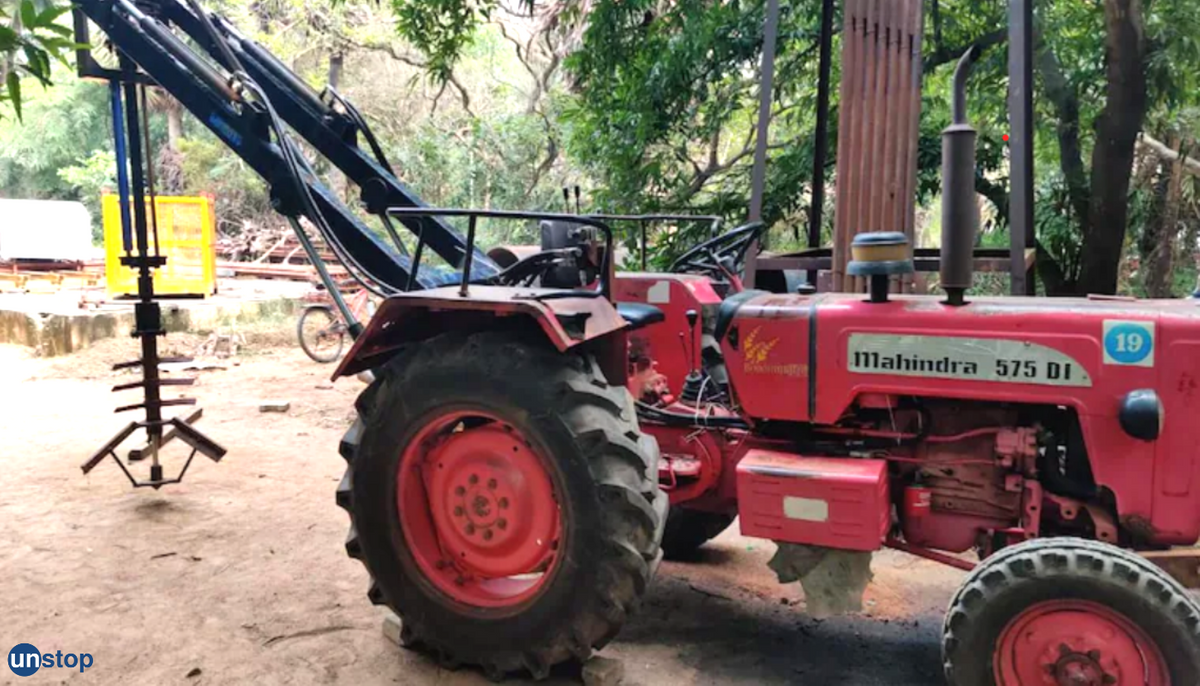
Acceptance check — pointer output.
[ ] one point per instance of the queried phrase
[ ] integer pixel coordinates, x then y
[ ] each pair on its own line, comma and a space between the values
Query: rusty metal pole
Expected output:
820, 155
759, 173
1020, 141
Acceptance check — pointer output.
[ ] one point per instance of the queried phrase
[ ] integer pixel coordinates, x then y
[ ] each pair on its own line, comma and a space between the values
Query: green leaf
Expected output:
60, 30
14, 92
56, 44
50, 15
37, 64
8, 39
28, 14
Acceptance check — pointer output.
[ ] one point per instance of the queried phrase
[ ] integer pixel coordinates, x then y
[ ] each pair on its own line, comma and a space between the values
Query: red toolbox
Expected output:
836, 502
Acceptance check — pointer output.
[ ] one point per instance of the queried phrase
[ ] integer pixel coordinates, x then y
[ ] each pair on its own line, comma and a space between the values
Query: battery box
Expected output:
834, 502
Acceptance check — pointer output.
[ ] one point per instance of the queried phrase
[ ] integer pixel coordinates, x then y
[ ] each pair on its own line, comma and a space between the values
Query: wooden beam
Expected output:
1183, 564
1165, 152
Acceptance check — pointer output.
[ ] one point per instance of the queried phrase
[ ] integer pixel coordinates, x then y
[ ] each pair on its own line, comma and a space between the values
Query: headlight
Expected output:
1141, 414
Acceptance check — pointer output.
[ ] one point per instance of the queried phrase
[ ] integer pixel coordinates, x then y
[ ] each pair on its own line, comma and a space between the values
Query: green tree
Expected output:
30, 38
91, 179
654, 104
658, 95
63, 126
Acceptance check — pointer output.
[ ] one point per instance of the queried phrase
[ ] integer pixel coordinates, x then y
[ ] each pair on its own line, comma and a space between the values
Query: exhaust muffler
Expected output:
960, 210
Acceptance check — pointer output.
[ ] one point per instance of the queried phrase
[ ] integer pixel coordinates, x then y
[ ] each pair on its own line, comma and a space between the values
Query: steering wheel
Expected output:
721, 258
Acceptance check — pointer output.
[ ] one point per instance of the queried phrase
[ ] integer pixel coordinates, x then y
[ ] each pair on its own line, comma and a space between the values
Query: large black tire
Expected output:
687, 530
1068, 569
604, 470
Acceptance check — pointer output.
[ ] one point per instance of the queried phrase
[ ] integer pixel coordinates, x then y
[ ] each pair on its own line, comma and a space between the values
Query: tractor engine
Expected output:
966, 485
973, 472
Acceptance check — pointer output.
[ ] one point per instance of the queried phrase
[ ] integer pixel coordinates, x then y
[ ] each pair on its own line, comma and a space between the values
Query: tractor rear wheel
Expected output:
687, 530
1067, 611
503, 500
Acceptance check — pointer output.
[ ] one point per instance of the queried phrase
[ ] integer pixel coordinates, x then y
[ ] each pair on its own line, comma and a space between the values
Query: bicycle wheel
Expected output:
321, 334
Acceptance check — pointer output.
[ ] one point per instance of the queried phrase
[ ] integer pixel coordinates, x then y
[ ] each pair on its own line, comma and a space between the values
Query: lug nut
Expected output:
473, 480
1094, 654
492, 484
458, 511
504, 503
502, 523
470, 529
487, 534
460, 491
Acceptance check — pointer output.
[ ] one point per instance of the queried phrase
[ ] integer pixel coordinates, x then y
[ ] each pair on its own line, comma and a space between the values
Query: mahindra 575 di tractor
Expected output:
512, 467
504, 489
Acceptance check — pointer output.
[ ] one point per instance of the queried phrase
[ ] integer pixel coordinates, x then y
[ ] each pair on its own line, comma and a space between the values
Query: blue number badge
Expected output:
1129, 343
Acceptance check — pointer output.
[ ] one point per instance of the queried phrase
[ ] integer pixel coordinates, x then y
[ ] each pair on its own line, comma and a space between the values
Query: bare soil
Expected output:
238, 575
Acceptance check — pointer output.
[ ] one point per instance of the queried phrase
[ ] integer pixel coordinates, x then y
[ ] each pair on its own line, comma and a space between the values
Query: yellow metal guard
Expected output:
186, 237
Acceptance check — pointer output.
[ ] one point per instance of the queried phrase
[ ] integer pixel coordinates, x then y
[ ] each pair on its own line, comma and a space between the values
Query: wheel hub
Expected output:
498, 514
1079, 669
486, 524
1075, 643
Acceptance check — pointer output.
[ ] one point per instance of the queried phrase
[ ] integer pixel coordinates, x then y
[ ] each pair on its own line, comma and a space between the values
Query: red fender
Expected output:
567, 322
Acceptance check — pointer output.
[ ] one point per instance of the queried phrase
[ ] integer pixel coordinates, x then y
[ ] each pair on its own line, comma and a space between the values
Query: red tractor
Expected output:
509, 496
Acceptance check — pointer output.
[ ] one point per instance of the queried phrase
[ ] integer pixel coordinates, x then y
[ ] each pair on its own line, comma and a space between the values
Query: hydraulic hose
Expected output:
292, 158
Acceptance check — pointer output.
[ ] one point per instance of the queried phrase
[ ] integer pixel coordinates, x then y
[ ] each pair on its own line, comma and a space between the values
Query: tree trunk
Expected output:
263, 14
1149, 247
1066, 108
337, 180
174, 124
1116, 133
337, 60
1158, 280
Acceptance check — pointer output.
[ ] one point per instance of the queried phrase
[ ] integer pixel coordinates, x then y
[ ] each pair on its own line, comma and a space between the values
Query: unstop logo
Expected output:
24, 659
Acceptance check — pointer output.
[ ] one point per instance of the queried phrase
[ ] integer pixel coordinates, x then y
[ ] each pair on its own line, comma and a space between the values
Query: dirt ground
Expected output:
238, 575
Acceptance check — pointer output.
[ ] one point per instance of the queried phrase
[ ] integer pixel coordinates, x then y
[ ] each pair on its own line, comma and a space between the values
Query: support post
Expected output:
466, 275
766, 96
354, 326
118, 116
1020, 141
820, 154
147, 314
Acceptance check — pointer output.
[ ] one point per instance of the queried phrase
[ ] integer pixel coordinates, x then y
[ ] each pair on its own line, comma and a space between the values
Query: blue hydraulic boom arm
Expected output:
255, 105
245, 95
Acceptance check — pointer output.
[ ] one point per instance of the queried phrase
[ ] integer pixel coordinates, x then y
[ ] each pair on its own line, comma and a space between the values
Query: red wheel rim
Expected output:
1076, 643
478, 509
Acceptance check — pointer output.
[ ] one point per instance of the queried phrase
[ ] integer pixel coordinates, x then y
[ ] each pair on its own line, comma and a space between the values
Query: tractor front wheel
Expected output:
1066, 612
503, 500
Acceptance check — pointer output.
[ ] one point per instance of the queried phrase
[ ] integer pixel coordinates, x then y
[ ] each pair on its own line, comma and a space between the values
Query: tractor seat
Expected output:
640, 314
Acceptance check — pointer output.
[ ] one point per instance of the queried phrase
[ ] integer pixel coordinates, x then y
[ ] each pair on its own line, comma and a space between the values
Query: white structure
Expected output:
45, 230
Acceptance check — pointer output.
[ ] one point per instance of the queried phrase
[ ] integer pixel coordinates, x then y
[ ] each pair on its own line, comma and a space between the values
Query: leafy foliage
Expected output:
668, 104
90, 180
64, 128
442, 29
30, 37
650, 106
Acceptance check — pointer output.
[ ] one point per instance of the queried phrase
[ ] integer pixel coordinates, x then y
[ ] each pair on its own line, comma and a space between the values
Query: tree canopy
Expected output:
652, 106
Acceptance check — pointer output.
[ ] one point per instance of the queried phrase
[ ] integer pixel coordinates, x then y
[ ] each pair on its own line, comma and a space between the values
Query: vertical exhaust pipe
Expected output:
960, 211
